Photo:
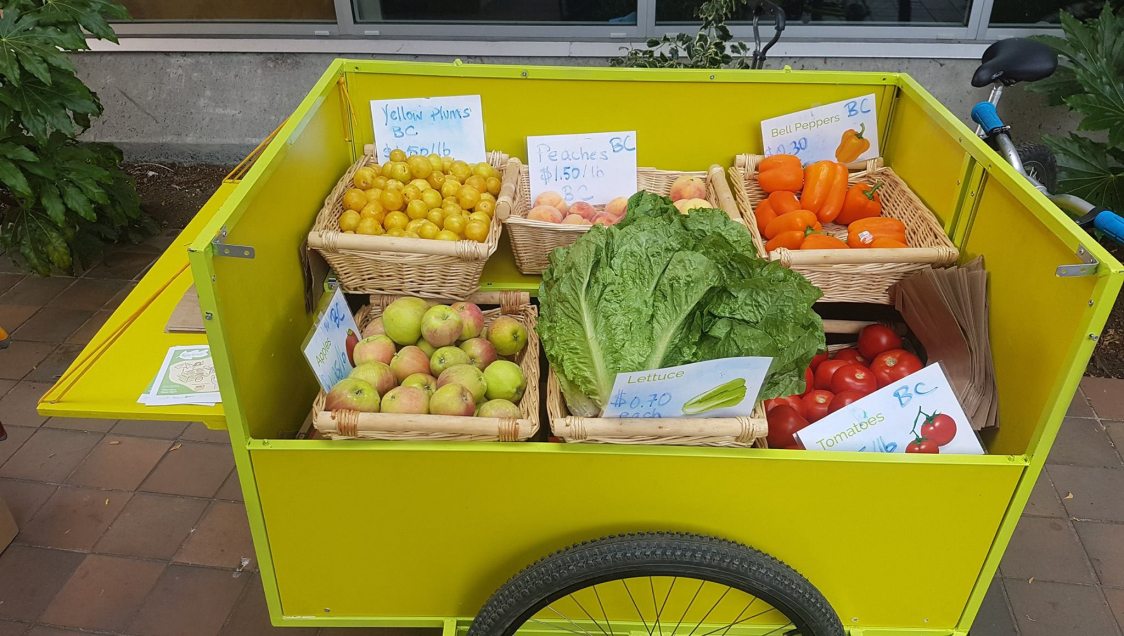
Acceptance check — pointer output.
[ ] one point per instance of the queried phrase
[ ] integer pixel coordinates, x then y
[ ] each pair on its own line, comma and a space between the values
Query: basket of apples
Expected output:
428, 371
537, 226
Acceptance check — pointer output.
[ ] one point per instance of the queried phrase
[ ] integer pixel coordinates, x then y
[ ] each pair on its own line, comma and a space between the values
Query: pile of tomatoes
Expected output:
834, 382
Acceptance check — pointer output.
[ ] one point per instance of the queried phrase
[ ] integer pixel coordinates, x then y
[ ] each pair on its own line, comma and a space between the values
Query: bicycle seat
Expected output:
1015, 60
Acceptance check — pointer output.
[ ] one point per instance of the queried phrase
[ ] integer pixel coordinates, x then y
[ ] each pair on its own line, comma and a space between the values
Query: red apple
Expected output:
452, 399
405, 399
441, 326
408, 361
480, 352
472, 319
374, 349
467, 376
353, 394
377, 375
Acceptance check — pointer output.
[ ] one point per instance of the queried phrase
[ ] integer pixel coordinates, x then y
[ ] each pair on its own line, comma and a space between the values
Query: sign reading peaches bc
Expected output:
447, 126
845, 131
595, 167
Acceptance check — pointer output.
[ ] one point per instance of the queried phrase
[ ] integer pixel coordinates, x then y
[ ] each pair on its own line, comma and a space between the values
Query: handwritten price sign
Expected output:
845, 131
452, 126
333, 334
595, 168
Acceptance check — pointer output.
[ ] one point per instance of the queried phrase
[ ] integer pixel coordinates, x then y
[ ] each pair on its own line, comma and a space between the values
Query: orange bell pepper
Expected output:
852, 144
825, 187
862, 202
799, 220
764, 213
780, 172
888, 243
777, 203
791, 239
863, 232
823, 242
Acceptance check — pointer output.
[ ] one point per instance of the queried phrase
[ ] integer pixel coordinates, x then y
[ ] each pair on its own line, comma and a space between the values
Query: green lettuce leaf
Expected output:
661, 289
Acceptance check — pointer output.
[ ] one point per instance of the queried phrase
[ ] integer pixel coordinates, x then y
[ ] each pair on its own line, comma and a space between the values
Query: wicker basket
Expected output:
391, 265
738, 432
857, 275
445, 428
532, 241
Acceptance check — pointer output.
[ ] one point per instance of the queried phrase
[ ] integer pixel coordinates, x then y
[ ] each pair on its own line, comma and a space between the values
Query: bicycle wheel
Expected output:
665, 584
1039, 162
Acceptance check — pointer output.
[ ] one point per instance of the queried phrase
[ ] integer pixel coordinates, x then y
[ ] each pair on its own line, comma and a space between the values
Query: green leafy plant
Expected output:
710, 48
1090, 80
61, 199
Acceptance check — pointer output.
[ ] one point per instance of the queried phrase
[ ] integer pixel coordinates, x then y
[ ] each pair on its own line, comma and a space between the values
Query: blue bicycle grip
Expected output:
1111, 224
984, 114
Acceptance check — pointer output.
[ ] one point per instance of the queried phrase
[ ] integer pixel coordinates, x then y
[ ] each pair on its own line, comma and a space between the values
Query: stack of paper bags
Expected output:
947, 309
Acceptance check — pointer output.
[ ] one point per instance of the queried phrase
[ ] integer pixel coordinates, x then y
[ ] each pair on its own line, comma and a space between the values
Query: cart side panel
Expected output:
261, 301
401, 530
930, 160
684, 119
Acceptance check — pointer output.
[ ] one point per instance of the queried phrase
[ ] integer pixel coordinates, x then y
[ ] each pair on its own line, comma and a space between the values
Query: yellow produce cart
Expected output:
420, 534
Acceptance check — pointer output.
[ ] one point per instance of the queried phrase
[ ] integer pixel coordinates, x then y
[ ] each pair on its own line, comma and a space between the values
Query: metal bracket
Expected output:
222, 248
1088, 268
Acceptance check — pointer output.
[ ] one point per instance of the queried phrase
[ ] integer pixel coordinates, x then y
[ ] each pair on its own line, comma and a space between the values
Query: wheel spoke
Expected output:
638, 612
744, 610
747, 618
603, 613
562, 627
697, 590
567, 619
660, 613
773, 631
582, 607
652, 585
712, 607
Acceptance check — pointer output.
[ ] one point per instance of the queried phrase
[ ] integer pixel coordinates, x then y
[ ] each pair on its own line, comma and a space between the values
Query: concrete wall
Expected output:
215, 107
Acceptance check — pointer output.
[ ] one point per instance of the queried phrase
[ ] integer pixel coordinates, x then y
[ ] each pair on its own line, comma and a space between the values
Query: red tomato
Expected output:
893, 365
843, 399
783, 422
790, 400
816, 404
852, 355
920, 445
940, 428
817, 359
809, 380
825, 371
853, 377
874, 339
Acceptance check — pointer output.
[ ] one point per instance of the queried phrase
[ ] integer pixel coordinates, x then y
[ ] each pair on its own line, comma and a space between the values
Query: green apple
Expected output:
402, 320
423, 381
425, 346
353, 394
446, 357
507, 335
377, 375
452, 399
499, 408
505, 381
441, 326
467, 376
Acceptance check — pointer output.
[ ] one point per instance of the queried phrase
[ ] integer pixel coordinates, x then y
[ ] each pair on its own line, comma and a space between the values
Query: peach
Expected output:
616, 208
690, 204
604, 219
584, 210
553, 199
575, 219
546, 213
688, 187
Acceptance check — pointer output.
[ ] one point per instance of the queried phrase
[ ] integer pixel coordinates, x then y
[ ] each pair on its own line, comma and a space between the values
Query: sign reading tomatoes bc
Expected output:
844, 131
917, 414
447, 126
595, 167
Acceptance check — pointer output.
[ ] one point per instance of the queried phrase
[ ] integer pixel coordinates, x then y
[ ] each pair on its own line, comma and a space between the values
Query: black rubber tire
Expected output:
1040, 163
656, 554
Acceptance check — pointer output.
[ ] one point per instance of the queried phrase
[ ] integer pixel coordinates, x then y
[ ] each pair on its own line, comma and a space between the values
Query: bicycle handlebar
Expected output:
985, 115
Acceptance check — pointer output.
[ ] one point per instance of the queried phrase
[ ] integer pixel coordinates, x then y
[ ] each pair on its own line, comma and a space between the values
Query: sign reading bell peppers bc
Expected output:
845, 131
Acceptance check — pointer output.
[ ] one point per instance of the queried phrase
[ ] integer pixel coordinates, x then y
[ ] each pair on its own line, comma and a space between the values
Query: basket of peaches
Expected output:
537, 225
412, 225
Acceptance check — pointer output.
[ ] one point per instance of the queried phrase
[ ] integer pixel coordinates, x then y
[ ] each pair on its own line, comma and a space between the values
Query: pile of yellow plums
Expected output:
429, 197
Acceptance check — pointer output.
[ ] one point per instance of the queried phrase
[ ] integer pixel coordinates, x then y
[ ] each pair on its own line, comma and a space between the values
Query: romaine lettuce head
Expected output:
661, 289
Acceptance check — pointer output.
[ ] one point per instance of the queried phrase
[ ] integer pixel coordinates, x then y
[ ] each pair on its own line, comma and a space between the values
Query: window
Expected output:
1043, 13
607, 12
233, 10
838, 11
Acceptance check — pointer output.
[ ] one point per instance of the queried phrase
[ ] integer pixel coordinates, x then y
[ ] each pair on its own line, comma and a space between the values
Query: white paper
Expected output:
186, 376
889, 419
452, 126
593, 167
669, 392
328, 347
815, 134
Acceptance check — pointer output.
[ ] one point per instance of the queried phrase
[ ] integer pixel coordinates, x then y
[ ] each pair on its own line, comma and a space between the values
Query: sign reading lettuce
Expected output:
716, 388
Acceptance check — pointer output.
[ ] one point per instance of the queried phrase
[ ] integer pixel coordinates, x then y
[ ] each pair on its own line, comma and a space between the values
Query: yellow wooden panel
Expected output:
399, 530
109, 387
1037, 318
929, 160
684, 119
